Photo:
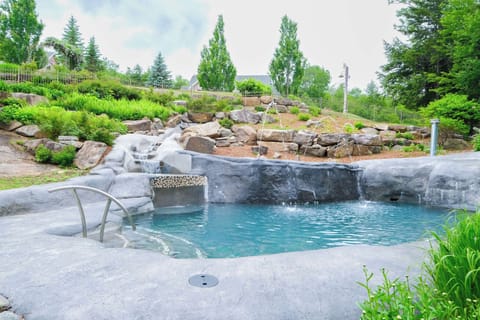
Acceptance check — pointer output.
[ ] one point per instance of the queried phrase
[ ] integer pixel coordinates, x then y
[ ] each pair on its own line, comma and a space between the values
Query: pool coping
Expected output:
47, 276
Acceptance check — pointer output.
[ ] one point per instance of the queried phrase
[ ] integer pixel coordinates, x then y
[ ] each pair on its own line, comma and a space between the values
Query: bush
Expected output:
226, 123
449, 127
405, 135
450, 289
43, 154
314, 111
294, 110
303, 116
163, 99
108, 89
260, 108
476, 142
359, 125
348, 128
252, 87
64, 157
205, 103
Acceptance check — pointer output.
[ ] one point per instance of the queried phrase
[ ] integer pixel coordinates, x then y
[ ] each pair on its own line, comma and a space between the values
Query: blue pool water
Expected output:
236, 230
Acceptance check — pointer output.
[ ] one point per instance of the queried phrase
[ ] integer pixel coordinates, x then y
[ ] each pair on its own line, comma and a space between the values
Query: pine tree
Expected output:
159, 76
20, 31
93, 61
71, 33
216, 70
288, 64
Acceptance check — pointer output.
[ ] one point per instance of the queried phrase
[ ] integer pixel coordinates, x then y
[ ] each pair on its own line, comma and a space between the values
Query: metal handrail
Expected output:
110, 198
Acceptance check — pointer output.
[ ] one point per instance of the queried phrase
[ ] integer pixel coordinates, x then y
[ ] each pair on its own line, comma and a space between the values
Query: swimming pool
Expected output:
237, 230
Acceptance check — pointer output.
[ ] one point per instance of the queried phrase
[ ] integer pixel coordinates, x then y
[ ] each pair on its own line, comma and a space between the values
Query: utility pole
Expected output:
345, 76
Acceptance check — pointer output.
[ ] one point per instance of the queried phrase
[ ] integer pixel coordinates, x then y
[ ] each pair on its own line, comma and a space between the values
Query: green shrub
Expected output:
359, 125
163, 99
294, 110
108, 89
348, 128
405, 135
272, 111
476, 142
260, 108
43, 154
4, 87
64, 157
226, 123
28, 87
205, 103
314, 111
450, 288
303, 116
252, 87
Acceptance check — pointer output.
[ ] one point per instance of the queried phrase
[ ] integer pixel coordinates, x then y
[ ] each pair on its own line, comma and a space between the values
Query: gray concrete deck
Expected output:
47, 276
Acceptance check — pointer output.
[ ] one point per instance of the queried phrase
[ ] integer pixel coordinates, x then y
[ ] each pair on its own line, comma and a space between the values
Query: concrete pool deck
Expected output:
46, 276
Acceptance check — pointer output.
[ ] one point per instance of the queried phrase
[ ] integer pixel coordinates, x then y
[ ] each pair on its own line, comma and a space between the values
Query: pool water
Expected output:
237, 230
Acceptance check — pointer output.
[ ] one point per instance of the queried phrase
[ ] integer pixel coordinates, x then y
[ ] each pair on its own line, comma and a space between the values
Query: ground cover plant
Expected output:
449, 287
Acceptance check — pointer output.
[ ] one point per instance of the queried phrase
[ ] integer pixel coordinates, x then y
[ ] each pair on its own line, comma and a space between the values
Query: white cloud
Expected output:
331, 32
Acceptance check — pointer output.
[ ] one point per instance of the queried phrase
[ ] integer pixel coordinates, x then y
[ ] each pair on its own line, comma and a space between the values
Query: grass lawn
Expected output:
26, 181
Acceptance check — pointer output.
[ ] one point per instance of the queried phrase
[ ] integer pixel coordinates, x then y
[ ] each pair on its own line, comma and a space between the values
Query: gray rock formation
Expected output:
200, 144
245, 134
30, 98
275, 135
138, 125
90, 154
245, 116
30, 131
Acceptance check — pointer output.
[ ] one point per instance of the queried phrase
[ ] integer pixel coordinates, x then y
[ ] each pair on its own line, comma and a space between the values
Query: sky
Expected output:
331, 32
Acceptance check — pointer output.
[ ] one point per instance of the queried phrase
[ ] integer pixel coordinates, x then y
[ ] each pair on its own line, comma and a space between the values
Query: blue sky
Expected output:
331, 32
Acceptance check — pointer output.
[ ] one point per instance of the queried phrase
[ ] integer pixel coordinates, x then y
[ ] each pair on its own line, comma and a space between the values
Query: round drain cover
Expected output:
203, 281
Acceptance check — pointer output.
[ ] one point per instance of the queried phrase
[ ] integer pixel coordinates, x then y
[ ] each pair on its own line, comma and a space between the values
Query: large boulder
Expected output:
245, 134
200, 144
251, 101
329, 139
138, 125
315, 150
245, 116
266, 99
200, 117
209, 129
304, 137
397, 127
275, 135
369, 130
456, 144
388, 136
279, 146
30, 98
367, 139
341, 150
29, 131
281, 108
70, 141
32, 145
12, 125
90, 154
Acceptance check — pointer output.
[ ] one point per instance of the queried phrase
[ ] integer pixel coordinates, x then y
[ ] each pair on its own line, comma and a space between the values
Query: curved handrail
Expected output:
110, 198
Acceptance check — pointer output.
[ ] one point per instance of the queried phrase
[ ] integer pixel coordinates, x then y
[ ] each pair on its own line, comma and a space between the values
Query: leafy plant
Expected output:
252, 87
348, 128
476, 142
303, 116
260, 108
314, 111
294, 110
359, 125
108, 89
205, 103
226, 123
64, 157
43, 154
405, 135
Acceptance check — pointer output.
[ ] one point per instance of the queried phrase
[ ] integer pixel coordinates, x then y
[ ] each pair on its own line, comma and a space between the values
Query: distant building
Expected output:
265, 79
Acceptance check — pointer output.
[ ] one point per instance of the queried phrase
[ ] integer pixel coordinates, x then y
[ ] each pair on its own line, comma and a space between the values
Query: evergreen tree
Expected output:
71, 33
159, 76
20, 31
216, 70
288, 64
93, 62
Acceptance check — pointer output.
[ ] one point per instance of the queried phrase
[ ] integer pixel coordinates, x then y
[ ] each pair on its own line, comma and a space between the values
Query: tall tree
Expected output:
315, 82
159, 74
216, 70
93, 62
288, 64
20, 31
71, 33
415, 68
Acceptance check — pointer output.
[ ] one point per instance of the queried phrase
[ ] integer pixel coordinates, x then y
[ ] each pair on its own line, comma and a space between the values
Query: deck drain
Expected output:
203, 281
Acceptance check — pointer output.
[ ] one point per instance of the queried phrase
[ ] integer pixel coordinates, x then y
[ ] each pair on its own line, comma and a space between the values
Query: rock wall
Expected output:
269, 181
445, 181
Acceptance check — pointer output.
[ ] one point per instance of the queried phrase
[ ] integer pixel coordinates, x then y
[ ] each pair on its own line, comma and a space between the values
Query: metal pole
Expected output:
345, 88
434, 137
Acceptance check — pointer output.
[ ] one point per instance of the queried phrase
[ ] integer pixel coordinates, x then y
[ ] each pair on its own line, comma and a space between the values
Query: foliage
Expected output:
179, 83
476, 142
359, 125
226, 123
315, 82
216, 70
164, 98
272, 110
93, 63
71, 33
252, 87
64, 158
455, 107
20, 32
303, 116
205, 103
414, 147
314, 111
448, 291
9, 109
117, 109
136, 76
348, 128
412, 74
288, 64
72, 55
260, 108
159, 76
108, 89
294, 110
43, 154
405, 135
